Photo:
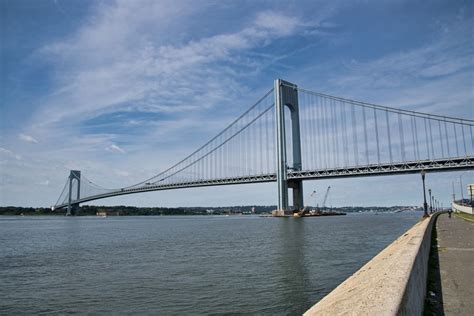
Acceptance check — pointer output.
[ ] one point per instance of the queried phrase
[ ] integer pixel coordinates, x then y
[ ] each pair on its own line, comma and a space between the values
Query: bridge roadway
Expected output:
437, 165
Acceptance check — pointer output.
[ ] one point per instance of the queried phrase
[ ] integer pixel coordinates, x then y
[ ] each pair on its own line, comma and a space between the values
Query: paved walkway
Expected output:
451, 275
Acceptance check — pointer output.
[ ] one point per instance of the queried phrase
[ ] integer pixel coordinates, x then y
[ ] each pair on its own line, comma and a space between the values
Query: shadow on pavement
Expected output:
434, 293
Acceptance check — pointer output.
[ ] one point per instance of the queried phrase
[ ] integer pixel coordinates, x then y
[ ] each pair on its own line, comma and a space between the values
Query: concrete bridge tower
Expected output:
286, 94
74, 175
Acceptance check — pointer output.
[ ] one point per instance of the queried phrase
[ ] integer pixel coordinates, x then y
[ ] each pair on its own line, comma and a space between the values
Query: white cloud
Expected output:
435, 77
112, 66
145, 57
122, 173
277, 22
45, 182
8, 153
115, 149
191, 76
27, 138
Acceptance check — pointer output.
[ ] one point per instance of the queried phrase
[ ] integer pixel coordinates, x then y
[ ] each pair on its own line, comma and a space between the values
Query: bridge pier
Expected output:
286, 94
72, 207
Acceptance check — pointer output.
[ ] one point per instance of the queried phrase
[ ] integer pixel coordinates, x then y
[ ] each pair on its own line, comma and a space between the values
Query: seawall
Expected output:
392, 283
461, 208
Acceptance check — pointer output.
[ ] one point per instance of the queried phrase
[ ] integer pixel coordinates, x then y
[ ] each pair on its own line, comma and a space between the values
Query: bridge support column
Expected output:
286, 94
71, 206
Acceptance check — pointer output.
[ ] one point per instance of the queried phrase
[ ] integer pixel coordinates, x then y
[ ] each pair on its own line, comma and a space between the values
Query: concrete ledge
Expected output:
392, 283
461, 208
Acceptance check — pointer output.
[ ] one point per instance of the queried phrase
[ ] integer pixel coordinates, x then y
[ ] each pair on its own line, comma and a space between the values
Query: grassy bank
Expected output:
465, 216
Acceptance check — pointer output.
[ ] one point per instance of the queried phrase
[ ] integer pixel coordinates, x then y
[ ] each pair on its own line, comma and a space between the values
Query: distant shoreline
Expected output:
89, 210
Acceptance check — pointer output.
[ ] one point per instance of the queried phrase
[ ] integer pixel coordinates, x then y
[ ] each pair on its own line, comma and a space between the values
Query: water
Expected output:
184, 265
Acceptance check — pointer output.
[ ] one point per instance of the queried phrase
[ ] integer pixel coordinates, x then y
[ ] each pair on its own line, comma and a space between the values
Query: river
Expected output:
177, 265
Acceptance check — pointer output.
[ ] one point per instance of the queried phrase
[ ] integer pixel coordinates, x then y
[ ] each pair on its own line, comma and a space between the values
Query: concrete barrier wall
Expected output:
459, 208
392, 283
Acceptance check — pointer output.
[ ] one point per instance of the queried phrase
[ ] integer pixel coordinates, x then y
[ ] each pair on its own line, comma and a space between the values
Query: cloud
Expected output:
27, 138
160, 78
110, 67
45, 182
122, 173
433, 77
8, 153
277, 23
115, 149
163, 77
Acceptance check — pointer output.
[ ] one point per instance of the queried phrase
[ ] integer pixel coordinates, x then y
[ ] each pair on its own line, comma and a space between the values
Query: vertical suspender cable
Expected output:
201, 165
464, 140
344, 139
431, 139
222, 164
441, 139
218, 164
416, 138
240, 160
318, 136
309, 131
412, 119
427, 140
456, 139
228, 163
447, 138
472, 138
249, 149
325, 145
208, 159
314, 136
328, 133
365, 137
334, 131
402, 138
323, 133
305, 132
377, 136
354, 136
259, 146
252, 151
226, 167
389, 137
213, 160
256, 142
273, 138
267, 147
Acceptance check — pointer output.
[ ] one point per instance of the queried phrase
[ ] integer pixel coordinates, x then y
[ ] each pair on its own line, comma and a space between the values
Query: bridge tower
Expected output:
286, 94
72, 207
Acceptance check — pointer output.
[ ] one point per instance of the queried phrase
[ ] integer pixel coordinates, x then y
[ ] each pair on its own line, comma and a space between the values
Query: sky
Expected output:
123, 89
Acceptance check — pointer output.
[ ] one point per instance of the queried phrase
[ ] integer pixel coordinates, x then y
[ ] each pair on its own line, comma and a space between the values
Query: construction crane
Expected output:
325, 197
312, 195
304, 210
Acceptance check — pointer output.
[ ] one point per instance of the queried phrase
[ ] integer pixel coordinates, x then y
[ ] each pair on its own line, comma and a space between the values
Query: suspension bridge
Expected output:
292, 134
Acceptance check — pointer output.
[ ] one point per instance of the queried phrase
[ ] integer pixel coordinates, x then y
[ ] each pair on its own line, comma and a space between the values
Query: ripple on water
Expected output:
183, 265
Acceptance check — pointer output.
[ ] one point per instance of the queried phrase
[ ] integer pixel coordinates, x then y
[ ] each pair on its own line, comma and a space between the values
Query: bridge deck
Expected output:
356, 171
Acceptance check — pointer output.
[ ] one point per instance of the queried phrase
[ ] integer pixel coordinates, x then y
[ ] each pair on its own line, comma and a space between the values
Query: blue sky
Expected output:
123, 89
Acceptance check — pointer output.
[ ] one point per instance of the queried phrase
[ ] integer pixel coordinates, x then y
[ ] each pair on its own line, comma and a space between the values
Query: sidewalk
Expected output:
451, 273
